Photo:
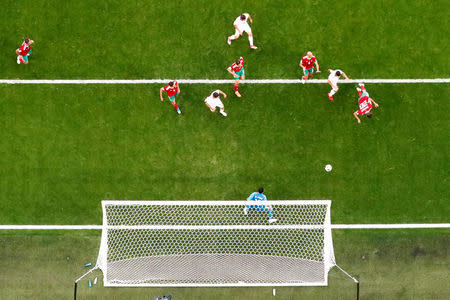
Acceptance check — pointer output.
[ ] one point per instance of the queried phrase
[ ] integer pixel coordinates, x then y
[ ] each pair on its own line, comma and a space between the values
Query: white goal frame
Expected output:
328, 252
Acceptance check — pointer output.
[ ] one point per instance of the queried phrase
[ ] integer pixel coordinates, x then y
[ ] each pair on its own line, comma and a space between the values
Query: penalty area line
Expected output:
213, 81
333, 226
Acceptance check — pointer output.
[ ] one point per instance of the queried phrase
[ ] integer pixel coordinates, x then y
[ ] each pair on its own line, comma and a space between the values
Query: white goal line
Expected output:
213, 81
333, 226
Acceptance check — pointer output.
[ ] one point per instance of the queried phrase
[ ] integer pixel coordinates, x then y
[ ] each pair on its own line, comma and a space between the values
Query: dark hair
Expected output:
242, 17
171, 83
215, 94
27, 41
369, 115
338, 73
261, 190
238, 61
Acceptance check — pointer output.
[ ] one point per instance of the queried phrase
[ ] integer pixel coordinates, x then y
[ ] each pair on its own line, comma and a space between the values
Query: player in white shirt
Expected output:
333, 80
213, 101
241, 25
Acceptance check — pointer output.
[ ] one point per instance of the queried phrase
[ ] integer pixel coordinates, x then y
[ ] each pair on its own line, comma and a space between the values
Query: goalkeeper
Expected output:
259, 196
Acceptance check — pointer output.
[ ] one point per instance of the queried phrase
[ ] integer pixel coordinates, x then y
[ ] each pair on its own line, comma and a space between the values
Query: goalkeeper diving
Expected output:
259, 196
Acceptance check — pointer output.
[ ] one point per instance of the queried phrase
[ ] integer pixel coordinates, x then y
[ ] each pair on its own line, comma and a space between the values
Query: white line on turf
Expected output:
212, 81
333, 226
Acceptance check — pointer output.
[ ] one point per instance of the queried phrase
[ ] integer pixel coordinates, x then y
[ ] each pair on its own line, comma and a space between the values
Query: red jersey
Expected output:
307, 62
24, 49
237, 68
364, 105
171, 90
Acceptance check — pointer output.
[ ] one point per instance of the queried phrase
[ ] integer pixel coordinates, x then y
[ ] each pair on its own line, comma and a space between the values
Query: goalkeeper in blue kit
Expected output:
259, 196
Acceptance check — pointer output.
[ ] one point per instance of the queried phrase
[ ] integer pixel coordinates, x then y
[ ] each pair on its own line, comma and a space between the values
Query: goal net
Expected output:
216, 243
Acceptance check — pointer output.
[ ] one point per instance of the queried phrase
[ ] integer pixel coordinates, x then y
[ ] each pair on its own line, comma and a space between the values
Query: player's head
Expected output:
27, 41
171, 83
243, 17
261, 190
215, 94
369, 115
338, 73
309, 54
238, 62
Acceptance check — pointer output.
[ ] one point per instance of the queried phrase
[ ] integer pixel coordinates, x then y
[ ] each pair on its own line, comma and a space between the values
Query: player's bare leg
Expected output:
236, 88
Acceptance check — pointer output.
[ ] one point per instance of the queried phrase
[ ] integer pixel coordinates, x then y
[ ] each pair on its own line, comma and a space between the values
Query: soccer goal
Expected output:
216, 243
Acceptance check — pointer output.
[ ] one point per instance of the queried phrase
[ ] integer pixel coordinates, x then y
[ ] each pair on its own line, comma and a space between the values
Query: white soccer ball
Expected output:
328, 168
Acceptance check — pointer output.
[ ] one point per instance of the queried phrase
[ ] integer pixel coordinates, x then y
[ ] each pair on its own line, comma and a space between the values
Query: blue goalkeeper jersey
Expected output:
257, 196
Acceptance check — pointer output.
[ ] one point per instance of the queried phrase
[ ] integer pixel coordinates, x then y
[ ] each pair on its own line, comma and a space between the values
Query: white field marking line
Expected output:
333, 226
213, 81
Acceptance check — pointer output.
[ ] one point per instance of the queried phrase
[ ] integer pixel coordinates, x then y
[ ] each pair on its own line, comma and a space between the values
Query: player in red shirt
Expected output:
365, 103
172, 90
238, 72
24, 51
307, 63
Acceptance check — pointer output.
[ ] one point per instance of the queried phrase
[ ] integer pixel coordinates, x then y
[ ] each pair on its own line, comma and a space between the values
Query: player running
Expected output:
307, 63
213, 101
241, 25
172, 90
24, 51
238, 72
259, 196
365, 103
333, 79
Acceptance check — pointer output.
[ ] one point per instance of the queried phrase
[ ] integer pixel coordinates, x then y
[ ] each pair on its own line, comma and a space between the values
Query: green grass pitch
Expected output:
66, 147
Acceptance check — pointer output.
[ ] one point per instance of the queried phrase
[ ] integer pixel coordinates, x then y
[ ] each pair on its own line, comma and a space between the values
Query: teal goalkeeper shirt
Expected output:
257, 196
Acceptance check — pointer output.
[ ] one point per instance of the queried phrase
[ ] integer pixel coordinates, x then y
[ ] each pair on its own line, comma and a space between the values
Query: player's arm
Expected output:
160, 93
301, 64
345, 76
250, 18
251, 197
223, 94
231, 72
374, 103
178, 88
210, 107
356, 116
317, 66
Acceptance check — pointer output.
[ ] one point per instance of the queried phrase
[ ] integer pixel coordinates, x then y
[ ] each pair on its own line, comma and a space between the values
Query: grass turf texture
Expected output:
391, 264
67, 147
187, 39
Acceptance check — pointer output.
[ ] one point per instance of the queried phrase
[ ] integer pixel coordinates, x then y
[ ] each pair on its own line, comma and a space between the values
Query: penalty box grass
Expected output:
391, 264
187, 39
66, 147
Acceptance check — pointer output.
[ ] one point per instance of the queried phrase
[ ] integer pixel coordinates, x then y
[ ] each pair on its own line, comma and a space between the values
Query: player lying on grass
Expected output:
307, 63
24, 51
365, 103
238, 72
213, 101
172, 90
259, 196
241, 25
333, 80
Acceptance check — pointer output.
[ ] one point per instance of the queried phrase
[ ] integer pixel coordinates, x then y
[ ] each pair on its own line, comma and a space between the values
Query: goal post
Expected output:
216, 243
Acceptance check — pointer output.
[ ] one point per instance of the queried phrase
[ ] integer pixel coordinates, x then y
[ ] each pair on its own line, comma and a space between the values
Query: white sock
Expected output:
332, 92
250, 39
232, 37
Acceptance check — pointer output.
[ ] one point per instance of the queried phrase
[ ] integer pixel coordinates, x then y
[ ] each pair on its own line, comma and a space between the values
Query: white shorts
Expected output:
333, 79
214, 103
243, 28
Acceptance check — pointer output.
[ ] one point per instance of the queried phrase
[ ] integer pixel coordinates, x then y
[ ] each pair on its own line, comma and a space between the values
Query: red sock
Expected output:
21, 60
359, 93
236, 87
175, 105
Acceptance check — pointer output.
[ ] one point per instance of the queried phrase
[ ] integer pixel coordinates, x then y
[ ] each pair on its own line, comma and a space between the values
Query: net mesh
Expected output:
215, 244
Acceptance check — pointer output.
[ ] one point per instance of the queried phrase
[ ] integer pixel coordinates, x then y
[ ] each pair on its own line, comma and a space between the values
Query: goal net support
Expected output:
216, 243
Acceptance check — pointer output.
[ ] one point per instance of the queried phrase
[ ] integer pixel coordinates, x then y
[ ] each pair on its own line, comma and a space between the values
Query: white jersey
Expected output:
238, 22
333, 78
214, 102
